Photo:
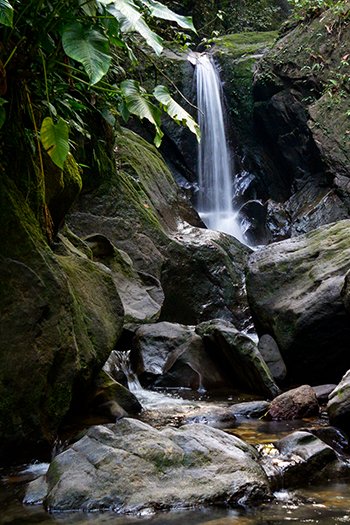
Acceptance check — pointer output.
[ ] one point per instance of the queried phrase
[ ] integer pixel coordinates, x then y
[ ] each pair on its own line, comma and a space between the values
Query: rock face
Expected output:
301, 102
294, 290
130, 467
295, 404
50, 307
338, 407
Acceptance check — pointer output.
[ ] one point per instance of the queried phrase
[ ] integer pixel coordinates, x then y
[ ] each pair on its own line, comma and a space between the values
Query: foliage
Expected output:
306, 8
64, 58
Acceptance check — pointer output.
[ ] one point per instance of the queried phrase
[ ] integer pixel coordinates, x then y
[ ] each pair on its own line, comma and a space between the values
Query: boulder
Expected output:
338, 407
294, 291
295, 404
141, 211
129, 467
239, 355
174, 355
271, 354
297, 459
322, 392
61, 317
203, 278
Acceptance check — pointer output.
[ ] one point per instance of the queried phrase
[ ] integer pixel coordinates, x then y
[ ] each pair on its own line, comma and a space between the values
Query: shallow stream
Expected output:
322, 505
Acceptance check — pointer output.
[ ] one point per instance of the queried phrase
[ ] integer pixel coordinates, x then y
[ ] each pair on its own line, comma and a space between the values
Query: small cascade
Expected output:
214, 163
119, 361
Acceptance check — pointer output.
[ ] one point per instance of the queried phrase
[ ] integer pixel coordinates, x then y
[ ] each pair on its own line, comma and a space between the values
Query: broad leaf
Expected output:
175, 111
159, 10
54, 138
89, 7
130, 18
89, 47
6, 13
138, 104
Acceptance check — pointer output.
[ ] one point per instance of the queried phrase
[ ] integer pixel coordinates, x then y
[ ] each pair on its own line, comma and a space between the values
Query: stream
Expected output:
322, 505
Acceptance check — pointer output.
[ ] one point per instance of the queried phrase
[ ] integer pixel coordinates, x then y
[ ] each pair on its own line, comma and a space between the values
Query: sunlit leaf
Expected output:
89, 7
159, 10
175, 111
6, 13
54, 138
138, 104
131, 20
89, 47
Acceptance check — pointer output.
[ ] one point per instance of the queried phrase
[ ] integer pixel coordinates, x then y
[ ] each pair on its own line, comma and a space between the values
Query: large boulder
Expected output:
271, 354
294, 290
141, 211
130, 467
239, 356
60, 318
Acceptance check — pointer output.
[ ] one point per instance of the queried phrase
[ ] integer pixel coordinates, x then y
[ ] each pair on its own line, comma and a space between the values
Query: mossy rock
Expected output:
57, 329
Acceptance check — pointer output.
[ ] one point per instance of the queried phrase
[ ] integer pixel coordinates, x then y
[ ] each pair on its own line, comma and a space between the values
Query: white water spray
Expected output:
214, 163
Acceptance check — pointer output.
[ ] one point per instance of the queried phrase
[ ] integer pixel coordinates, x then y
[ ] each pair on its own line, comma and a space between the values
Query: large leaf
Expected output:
138, 104
54, 138
89, 47
130, 18
6, 13
175, 111
159, 10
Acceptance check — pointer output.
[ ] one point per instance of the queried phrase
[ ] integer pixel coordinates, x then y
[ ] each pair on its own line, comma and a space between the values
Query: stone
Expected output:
175, 356
297, 460
271, 354
130, 467
61, 317
240, 357
322, 392
338, 407
203, 278
250, 409
294, 292
294, 404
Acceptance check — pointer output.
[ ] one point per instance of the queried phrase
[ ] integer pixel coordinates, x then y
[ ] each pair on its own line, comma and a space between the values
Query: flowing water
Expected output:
328, 505
214, 162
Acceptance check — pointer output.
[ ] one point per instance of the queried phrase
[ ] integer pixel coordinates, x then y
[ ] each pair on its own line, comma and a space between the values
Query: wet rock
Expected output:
294, 291
332, 436
252, 218
250, 409
36, 491
112, 399
240, 356
295, 404
271, 354
300, 459
322, 392
130, 467
338, 407
175, 356
215, 418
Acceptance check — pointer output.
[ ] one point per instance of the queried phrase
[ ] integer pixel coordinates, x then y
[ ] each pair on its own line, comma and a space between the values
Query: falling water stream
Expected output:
214, 162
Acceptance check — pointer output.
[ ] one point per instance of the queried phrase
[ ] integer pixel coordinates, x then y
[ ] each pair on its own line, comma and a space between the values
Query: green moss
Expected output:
248, 43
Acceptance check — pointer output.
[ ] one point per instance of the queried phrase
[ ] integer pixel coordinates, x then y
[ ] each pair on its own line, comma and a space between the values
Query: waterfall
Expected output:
214, 163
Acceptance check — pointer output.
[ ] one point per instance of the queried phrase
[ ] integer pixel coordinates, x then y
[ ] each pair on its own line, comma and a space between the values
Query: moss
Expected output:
240, 44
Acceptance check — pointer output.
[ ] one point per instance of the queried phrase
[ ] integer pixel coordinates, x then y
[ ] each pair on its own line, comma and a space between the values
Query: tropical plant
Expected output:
72, 51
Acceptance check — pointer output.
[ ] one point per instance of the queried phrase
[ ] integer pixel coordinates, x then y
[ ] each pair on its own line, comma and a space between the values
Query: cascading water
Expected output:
214, 163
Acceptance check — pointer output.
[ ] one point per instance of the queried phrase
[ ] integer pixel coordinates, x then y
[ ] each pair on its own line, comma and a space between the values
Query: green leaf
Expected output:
138, 104
89, 47
89, 7
54, 138
159, 10
6, 13
130, 18
175, 111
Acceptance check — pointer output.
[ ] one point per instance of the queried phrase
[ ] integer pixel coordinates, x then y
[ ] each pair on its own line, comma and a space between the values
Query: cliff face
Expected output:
302, 92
